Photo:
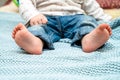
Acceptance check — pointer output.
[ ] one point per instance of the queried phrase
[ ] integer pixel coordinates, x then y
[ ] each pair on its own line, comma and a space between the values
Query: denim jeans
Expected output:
73, 27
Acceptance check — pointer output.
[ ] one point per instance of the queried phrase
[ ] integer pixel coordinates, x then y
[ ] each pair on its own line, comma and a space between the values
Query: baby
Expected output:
51, 20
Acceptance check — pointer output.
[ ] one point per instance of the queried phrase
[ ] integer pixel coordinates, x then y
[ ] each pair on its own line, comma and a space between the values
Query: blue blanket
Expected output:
63, 63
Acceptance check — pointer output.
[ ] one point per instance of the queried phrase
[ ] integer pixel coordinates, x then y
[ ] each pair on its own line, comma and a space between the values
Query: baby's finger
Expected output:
35, 23
31, 23
44, 20
39, 22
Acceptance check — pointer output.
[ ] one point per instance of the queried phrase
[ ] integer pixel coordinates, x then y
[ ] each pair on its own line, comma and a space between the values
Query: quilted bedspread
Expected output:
63, 63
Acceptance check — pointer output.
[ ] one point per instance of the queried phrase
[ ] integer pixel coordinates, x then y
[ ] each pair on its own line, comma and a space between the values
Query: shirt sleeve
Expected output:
92, 8
27, 9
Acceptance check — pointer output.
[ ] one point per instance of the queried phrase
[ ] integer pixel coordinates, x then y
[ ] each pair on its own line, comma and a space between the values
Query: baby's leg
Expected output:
27, 40
96, 38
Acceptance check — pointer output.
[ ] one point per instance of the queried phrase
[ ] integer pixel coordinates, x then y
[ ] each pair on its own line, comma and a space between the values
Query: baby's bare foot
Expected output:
27, 40
96, 38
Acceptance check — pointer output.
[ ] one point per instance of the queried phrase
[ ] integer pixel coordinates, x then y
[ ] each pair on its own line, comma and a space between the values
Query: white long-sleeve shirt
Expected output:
31, 8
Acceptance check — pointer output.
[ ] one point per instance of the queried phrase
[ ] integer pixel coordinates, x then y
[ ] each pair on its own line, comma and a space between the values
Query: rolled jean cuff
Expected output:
47, 43
76, 41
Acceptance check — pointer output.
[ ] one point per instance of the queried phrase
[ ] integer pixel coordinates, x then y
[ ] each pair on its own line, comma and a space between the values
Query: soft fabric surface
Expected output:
109, 3
63, 63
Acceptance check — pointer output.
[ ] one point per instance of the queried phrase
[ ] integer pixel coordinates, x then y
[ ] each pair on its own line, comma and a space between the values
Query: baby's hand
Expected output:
39, 19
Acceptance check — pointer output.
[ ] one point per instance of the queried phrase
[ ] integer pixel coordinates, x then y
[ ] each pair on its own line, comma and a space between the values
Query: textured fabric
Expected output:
61, 7
108, 4
63, 63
